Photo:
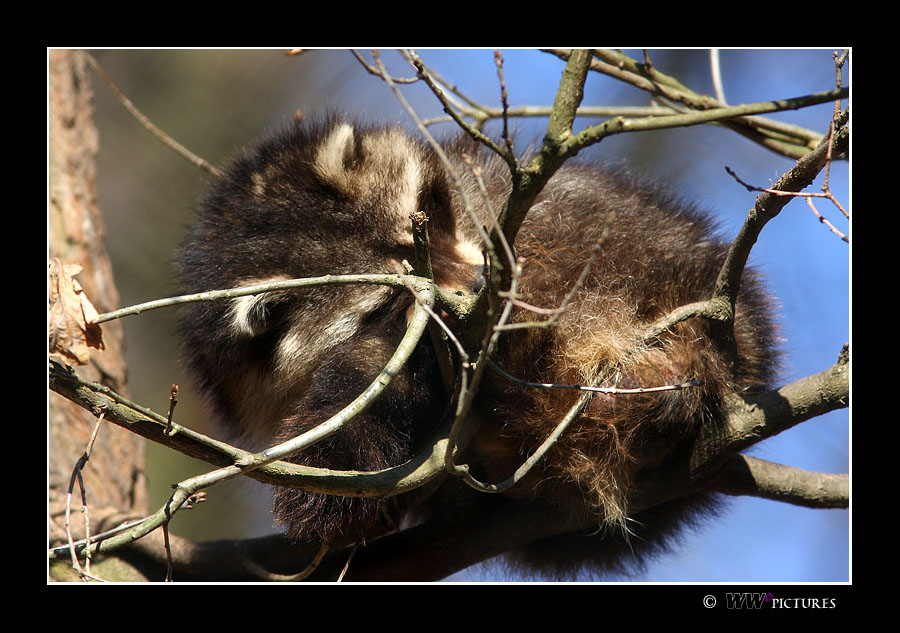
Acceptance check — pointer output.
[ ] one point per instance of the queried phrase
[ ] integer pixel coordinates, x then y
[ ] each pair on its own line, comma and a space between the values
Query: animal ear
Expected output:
333, 155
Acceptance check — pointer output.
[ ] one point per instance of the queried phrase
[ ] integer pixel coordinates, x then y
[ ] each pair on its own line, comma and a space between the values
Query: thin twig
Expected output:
825, 220
504, 100
532, 459
607, 390
340, 578
711, 310
488, 142
453, 90
169, 566
167, 140
313, 565
374, 71
766, 207
838, 81
263, 574
715, 70
253, 289
802, 194
442, 155
491, 211
172, 402
76, 476
62, 549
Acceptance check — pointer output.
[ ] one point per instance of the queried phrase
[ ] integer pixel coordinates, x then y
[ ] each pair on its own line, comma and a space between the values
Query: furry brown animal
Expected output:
334, 197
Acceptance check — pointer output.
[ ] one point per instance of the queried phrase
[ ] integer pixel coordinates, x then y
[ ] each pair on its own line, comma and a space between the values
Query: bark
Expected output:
114, 476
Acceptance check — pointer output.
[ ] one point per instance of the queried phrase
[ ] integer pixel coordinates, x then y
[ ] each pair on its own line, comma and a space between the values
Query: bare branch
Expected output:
374, 71
607, 390
442, 155
504, 99
425, 74
499, 524
85, 572
561, 308
596, 133
803, 194
751, 420
254, 289
533, 459
788, 140
715, 69
749, 476
167, 140
769, 205
484, 113
528, 184
184, 440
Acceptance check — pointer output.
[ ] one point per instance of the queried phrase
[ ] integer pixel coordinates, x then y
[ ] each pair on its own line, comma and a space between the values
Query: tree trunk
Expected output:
114, 476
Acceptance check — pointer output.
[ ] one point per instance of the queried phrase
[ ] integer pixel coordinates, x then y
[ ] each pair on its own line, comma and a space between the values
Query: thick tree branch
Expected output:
439, 545
528, 182
751, 420
479, 527
483, 526
152, 426
749, 476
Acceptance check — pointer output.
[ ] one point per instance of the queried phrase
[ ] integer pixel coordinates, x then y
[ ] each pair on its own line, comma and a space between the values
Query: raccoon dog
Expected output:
335, 197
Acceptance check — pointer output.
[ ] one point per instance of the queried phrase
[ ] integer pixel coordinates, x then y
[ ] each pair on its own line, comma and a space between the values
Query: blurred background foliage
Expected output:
215, 101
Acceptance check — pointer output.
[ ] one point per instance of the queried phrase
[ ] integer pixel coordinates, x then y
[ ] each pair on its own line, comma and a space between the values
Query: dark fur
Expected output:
289, 208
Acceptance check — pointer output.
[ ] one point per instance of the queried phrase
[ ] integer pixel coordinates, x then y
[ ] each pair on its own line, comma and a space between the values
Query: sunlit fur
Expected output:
335, 197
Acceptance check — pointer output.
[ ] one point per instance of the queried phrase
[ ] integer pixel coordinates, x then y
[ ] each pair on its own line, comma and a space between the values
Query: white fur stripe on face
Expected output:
307, 339
248, 313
